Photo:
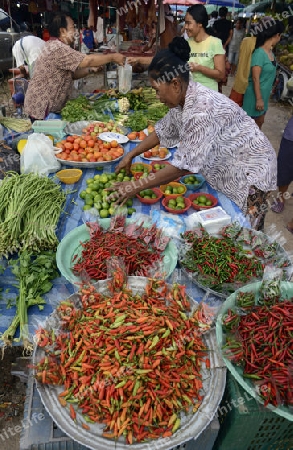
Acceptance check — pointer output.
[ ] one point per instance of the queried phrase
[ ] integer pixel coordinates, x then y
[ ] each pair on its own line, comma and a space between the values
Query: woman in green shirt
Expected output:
207, 55
262, 72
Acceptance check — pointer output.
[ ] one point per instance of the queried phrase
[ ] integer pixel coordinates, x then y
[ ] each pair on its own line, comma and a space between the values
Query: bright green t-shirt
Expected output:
203, 53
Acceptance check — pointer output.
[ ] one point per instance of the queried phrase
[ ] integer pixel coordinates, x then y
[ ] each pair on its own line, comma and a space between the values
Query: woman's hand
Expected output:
132, 60
120, 192
125, 163
194, 67
118, 59
259, 105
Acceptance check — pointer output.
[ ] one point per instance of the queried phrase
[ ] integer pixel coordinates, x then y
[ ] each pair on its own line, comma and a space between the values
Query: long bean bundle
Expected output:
30, 207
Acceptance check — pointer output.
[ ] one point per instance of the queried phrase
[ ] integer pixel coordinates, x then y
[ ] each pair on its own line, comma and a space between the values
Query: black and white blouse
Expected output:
219, 140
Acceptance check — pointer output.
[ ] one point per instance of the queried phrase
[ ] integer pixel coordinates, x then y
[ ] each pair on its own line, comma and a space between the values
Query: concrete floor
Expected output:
276, 119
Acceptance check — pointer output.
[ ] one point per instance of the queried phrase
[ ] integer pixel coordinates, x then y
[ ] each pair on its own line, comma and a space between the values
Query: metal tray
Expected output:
192, 425
88, 165
77, 127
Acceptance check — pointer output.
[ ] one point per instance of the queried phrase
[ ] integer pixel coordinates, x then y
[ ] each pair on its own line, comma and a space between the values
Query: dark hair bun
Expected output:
180, 47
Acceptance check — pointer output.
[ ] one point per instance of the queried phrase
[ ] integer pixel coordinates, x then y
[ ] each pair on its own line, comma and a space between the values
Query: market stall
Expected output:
82, 203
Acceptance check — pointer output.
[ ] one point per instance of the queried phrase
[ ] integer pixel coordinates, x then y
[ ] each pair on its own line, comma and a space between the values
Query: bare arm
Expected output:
93, 60
218, 73
85, 71
256, 71
144, 60
229, 39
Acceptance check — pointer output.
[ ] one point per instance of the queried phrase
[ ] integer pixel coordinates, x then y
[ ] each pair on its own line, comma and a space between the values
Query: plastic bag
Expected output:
125, 78
38, 155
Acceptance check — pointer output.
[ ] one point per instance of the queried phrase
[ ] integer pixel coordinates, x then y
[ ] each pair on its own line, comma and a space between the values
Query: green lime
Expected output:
153, 195
99, 168
181, 189
168, 192
86, 207
105, 205
98, 205
147, 196
98, 198
82, 194
195, 201
88, 190
95, 186
104, 213
202, 199
89, 201
111, 211
126, 178
172, 202
209, 202
131, 211
129, 202
175, 191
97, 177
89, 181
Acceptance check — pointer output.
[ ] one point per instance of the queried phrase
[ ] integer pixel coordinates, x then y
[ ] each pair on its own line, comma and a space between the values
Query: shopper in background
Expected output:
212, 19
99, 34
57, 67
207, 56
25, 51
285, 170
234, 47
223, 28
88, 40
262, 72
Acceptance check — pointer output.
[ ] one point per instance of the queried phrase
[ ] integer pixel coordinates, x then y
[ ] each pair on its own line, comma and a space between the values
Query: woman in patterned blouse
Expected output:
216, 138
57, 67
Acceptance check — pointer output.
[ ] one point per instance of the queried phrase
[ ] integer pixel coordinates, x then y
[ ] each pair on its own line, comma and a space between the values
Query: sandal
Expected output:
278, 207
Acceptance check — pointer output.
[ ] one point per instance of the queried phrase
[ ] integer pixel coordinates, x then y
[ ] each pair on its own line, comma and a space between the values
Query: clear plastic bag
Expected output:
125, 78
38, 155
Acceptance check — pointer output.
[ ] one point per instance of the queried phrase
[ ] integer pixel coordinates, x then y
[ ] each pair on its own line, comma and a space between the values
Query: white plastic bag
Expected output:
38, 155
125, 78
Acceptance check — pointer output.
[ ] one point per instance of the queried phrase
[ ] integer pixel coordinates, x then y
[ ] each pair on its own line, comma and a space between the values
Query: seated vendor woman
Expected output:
216, 138
57, 67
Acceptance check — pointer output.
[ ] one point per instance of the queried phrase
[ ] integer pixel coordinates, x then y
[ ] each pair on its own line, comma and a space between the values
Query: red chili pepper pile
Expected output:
264, 347
129, 361
140, 250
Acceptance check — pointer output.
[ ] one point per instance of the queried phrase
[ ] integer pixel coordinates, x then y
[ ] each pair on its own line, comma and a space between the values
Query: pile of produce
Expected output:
259, 340
96, 194
88, 148
30, 207
130, 361
235, 258
156, 152
140, 248
285, 55
18, 125
113, 102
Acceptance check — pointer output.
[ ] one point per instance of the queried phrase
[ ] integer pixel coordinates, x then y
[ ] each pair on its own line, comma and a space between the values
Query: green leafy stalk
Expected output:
33, 275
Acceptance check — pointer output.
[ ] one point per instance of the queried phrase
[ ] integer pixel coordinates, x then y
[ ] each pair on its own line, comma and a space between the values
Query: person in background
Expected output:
207, 56
262, 72
216, 138
234, 47
212, 19
99, 34
285, 171
137, 33
25, 51
88, 40
223, 28
57, 67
